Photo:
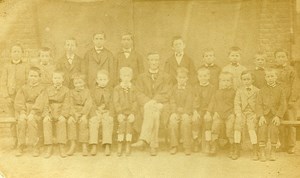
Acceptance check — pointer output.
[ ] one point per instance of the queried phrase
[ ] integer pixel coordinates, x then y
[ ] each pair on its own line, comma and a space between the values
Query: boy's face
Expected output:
260, 61
178, 45
16, 53
247, 80
234, 57
127, 41
126, 76
203, 76
45, 57
57, 79
281, 58
33, 77
271, 77
209, 57
102, 80
225, 82
78, 84
153, 60
70, 46
99, 40
182, 78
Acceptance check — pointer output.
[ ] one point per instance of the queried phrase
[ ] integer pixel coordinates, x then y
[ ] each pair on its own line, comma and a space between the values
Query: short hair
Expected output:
100, 33
71, 39
260, 53
201, 69
57, 71
208, 50
178, 37
152, 53
17, 45
226, 74
78, 76
182, 70
234, 49
45, 49
102, 72
128, 34
245, 72
281, 50
126, 70
269, 70
35, 69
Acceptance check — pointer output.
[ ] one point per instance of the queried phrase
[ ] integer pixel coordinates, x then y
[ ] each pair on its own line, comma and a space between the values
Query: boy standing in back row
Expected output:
98, 58
179, 59
235, 68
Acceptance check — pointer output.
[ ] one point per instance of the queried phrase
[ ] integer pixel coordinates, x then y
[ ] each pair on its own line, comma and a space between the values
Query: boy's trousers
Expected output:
219, 123
105, 121
33, 129
264, 129
125, 130
83, 130
184, 122
248, 117
61, 130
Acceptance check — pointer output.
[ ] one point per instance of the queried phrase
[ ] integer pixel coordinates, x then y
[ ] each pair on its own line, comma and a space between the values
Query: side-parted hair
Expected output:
35, 69
202, 69
234, 49
281, 50
128, 34
45, 49
17, 45
260, 54
71, 39
178, 37
208, 50
103, 72
99, 33
245, 72
271, 70
126, 70
78, 76
226, 74
58, 72
182, 70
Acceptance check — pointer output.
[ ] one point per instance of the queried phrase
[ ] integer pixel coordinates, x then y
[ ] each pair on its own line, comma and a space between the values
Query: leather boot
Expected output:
48, 151
272, 153
94, 150
62, 150
255, 153
84, 150
128, 148
262, 151
72, 148
119, 152
235, 154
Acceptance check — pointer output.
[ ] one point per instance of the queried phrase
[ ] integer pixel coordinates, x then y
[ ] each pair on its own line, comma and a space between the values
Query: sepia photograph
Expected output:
149, 88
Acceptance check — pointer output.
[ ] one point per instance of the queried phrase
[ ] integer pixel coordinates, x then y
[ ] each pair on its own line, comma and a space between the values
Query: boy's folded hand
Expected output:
30, 116
23, 116
47, 117
276, 121
121, 117
262, 121
131, 118
207, 117
61, 118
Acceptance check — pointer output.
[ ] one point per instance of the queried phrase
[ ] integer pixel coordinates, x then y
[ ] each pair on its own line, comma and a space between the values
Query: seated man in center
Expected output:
154, 87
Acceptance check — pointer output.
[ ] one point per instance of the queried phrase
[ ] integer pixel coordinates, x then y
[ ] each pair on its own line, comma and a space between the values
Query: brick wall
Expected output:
19, 26
276, 24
